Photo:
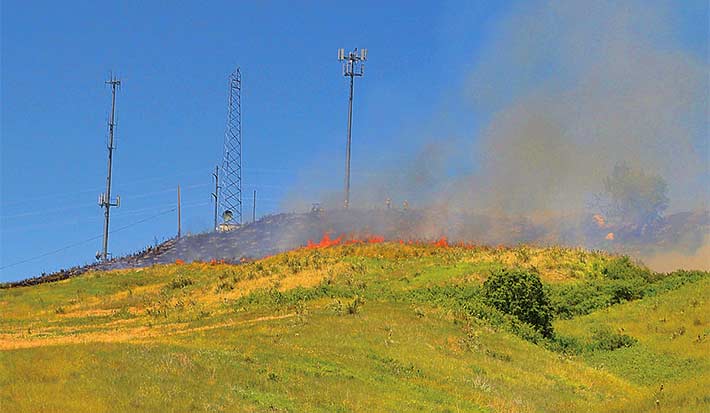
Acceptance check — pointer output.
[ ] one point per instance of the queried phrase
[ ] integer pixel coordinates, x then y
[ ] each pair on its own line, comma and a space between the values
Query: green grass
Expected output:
384, 327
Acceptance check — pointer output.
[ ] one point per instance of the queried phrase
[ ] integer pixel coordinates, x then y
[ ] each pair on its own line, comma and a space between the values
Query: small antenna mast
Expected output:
105, 198
353, 66
215, 194
179, 216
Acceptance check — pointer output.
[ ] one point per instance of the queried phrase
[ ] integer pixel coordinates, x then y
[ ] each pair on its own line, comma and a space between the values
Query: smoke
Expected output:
565, 91
698, 259
568, 90
574, 88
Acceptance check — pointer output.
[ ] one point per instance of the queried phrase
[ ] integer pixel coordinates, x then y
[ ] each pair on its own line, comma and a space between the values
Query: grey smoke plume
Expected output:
567, 90
574, 88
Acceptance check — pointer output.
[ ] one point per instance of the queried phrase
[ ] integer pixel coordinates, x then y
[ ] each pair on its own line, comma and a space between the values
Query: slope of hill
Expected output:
682, 234
363, 327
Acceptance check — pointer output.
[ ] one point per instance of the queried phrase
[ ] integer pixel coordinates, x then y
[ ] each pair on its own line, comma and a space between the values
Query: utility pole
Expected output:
178, 211
353, 66
105, 198
253, 209
215, 194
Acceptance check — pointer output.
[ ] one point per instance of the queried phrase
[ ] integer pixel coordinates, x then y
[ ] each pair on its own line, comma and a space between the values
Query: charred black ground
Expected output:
282, 232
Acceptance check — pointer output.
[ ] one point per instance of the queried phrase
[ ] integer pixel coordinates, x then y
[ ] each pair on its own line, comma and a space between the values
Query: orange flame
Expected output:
601, 222
375, 239
327, 241
324, 242
610, 236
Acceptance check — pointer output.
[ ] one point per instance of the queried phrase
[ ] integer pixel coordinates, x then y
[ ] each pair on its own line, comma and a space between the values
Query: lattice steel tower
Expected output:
231, 171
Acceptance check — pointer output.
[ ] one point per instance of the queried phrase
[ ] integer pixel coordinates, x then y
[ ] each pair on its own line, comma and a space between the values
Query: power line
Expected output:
124, 185
126, 213
28, 214
84, 206
66, 247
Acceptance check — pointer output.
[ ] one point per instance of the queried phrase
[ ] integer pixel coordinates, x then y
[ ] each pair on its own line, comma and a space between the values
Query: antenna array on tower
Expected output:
105, 198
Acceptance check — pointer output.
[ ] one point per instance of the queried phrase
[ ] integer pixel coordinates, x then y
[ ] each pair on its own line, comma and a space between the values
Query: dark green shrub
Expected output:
520, 293
625, 291
606, 339
180, 282
564, 345
674, 280
572, 300
526, 331
628, 284
623, 269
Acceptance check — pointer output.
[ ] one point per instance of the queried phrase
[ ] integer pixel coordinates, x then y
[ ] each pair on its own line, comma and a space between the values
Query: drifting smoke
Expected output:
672, 260
573, 89
567, 91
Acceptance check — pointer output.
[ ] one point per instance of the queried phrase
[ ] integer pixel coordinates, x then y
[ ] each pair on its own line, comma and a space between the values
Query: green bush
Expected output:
571, 300
520, 293
674, 280
627, 284
626, 290
623, 269
565, 345
605, 339
180, 282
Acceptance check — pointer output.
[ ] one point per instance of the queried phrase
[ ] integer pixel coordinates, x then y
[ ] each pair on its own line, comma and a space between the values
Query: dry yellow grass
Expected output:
246, 338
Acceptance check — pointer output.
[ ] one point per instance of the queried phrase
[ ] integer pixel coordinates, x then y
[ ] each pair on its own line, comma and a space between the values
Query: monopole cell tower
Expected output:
353, 66
105, 201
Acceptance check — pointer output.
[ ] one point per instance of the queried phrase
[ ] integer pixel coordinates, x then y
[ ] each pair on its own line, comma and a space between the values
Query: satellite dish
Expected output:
227, 215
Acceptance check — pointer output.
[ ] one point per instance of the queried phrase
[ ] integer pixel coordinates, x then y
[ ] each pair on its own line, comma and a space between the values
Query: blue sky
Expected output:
173, 59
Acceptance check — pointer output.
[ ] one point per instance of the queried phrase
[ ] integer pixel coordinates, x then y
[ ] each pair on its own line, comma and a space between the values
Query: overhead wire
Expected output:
122, 184
85, 206
73, 207
66, 247
130, 212
94, 219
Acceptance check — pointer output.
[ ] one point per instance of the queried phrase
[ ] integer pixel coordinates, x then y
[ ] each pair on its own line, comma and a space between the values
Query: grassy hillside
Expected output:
364, 327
